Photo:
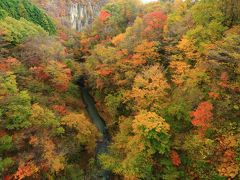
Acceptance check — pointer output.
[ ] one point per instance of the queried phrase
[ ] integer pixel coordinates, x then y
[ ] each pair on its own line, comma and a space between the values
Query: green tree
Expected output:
16, 108
16, 31
24, 9
208, 20
5, 145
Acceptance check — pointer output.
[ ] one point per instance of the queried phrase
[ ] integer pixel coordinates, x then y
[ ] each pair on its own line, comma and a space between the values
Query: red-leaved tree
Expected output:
202, 117
104, 15
175, 158
154, 23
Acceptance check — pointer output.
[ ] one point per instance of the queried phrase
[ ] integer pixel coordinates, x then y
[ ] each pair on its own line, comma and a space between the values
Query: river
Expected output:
99, 122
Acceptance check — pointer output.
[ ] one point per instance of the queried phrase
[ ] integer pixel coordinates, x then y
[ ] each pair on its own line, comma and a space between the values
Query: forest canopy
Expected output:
162, 78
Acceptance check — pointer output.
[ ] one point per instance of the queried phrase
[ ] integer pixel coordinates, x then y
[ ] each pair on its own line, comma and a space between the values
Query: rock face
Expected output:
75, 14
82, 13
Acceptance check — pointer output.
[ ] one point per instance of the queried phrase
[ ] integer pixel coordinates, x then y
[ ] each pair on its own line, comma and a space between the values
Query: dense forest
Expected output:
164, 77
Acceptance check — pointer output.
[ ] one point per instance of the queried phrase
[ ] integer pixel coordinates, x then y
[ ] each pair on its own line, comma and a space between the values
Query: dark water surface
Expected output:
100, 124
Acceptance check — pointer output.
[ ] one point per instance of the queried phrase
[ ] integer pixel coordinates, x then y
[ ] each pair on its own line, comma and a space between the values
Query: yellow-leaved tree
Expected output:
149, 88
139, 139
86, 132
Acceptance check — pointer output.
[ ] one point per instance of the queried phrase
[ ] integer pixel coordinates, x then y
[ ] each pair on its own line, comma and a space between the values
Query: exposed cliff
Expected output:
75, 14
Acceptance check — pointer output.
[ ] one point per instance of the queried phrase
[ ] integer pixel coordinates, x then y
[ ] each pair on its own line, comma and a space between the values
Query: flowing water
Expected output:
100, 124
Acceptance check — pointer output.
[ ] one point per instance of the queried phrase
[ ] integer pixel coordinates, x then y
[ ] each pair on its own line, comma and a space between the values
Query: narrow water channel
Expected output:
100, 124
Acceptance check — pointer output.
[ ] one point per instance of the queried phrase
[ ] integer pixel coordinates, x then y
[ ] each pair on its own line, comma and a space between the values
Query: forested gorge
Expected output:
165, 77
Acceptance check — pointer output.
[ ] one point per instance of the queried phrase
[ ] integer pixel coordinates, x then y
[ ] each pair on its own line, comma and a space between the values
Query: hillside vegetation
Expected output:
44, 132
24, 9
165, 77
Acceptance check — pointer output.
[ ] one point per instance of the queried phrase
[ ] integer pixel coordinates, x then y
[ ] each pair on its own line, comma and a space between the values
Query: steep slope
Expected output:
75, 14
24, 9
41, 114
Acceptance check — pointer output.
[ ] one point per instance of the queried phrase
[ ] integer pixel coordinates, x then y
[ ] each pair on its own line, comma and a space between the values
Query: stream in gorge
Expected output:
99, 123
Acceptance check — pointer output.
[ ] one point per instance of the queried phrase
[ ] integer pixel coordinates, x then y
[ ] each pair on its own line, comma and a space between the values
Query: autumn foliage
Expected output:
202, 116
228, 166
26, 170
104, 15
175, 158
154, 23
62, 110
54, 72
86, 132
60, 75
224, 80
164, 77
180, 70
9, 64
103, 70
39, 73
155, 20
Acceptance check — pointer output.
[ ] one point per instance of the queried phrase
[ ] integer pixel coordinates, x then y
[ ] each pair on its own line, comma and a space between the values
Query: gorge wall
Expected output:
75, 14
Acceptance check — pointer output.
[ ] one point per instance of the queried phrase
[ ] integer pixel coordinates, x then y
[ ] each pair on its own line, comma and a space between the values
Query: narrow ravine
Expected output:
99, 122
